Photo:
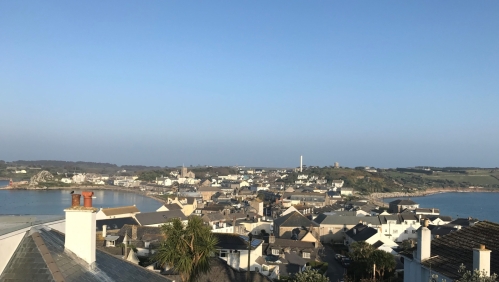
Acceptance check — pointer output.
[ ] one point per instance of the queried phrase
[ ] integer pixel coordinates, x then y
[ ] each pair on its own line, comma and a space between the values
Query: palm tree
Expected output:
187, 248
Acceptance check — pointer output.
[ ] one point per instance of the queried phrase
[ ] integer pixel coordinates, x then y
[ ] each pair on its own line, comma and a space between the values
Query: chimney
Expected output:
481, 260
354, 231
104, 231
424, 242
81, 228
134, 232
272, 239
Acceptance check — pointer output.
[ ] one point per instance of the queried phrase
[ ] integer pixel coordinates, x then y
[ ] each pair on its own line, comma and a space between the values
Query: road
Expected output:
335, 269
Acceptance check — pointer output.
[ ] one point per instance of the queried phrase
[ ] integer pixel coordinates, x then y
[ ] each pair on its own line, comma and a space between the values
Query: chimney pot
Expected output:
87, 198
75, 200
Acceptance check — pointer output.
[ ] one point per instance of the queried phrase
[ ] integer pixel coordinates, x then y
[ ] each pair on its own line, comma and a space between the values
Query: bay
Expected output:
53, 202
483, 206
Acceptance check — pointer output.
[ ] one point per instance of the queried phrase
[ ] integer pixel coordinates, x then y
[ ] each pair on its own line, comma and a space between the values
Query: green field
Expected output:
479, 177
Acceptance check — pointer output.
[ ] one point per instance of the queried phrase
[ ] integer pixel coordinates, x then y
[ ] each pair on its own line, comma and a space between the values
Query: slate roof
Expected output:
433, 217
402, 202
361, 232
294, 219
143, 232
464, 222
432, 210
235, 241
345, 220
171, 207
120, 210
221, 272
151, 218
448, 252
214, 216
115, 223
41, 256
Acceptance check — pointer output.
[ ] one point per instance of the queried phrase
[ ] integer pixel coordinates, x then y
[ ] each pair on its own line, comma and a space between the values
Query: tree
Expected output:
309, 275
475, 276
364, 258
186, 249
383, 261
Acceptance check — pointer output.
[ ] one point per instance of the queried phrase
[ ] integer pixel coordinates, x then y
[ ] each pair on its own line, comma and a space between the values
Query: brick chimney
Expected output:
424, 242
81, 228
481, 260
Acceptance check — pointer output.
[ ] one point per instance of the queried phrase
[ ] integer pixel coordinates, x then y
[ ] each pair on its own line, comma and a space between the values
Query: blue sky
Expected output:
257, 83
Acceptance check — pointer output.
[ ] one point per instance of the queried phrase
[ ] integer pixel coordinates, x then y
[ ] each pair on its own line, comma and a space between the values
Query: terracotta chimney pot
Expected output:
87, 198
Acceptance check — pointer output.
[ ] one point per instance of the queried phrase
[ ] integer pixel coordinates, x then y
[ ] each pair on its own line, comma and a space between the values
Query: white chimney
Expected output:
81, 228
424, 242
481, 260
104, 231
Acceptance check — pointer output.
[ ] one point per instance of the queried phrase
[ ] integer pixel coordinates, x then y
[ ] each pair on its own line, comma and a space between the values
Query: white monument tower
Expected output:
301, 163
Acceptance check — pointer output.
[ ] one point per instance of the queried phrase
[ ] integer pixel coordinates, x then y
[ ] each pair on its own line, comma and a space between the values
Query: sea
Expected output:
482, 206
53, 202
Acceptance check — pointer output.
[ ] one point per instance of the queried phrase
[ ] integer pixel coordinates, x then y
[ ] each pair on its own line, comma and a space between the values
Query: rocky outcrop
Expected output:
42, 176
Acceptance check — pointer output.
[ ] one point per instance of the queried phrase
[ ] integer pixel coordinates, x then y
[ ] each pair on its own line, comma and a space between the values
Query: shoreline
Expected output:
377, 198
104, 187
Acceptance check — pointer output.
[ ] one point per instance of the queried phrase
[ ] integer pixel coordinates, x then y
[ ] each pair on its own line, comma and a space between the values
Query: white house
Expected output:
233, 249
165, 181
79, 178
400, 227
117, 212
66, 180
338, 183
346, 191
370, 235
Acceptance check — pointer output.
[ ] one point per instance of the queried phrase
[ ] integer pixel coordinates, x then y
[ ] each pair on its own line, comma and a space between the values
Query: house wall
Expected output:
328, 232
401, 232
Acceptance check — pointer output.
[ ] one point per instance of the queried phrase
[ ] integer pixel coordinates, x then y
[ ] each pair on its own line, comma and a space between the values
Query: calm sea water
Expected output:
55, 201
484, 206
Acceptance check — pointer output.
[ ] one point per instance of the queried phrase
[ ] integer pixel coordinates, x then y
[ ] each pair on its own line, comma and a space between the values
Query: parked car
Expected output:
339, 257
346, 262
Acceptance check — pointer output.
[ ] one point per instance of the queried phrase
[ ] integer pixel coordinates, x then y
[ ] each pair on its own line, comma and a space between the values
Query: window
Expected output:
275, 252
413, 231
405, 231
306, 255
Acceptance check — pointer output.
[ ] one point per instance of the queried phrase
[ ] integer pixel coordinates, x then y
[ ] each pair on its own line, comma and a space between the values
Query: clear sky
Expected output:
257, 83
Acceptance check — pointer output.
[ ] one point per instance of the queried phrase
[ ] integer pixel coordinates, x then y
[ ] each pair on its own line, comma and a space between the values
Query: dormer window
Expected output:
306, 255
275, 252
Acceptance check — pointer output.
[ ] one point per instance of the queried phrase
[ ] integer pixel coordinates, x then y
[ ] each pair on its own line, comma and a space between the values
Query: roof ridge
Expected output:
47, 257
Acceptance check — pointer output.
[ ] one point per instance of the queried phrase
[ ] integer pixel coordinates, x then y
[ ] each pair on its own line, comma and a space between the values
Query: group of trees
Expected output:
369, 263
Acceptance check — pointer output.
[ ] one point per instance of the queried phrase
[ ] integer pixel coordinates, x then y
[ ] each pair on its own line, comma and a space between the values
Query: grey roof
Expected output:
452, 250
361, 232
171, 207
235, 241
151, 218
346, 220
403, 202
41, 256
114, 223
385, 218
214, 216
294, 219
